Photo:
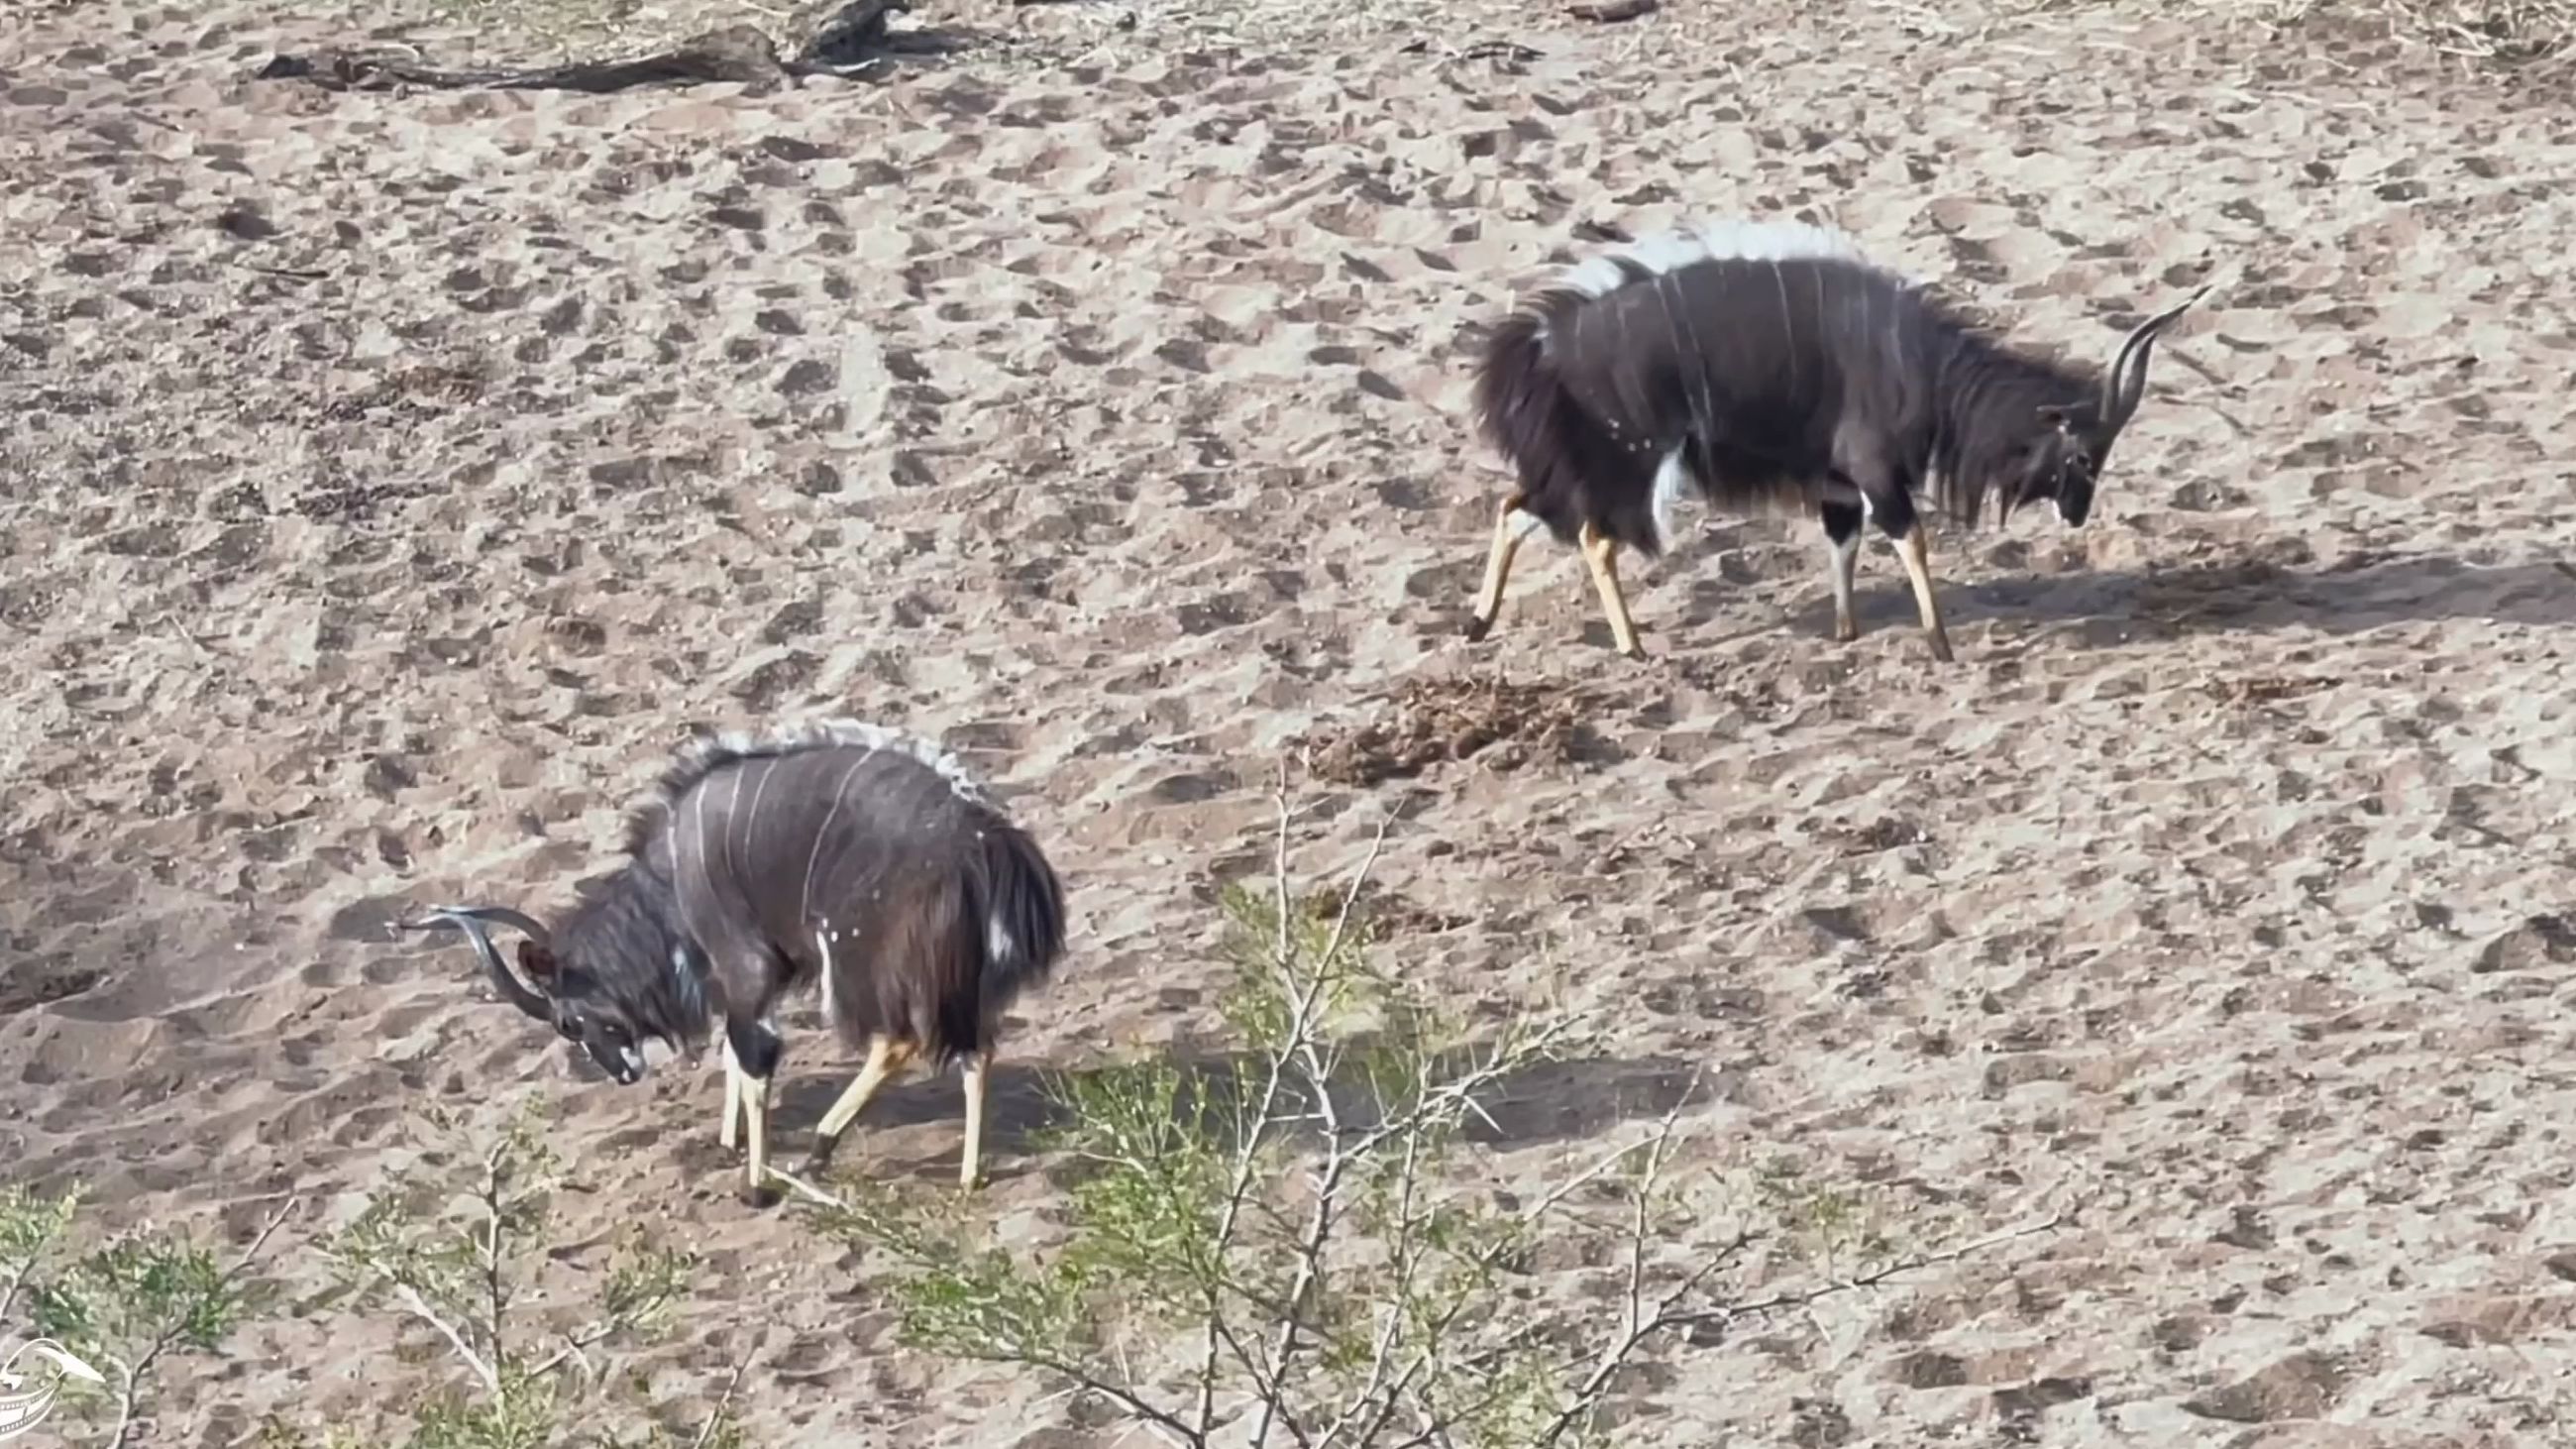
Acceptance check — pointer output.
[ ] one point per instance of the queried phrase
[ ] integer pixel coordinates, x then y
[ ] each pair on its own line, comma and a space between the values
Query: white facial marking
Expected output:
633, 1058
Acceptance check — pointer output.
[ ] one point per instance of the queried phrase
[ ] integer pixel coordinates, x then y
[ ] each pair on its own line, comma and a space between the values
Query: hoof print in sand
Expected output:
2302, 1386
2542, 940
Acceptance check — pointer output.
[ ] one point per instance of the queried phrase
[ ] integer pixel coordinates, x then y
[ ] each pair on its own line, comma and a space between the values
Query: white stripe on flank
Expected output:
1703, 407
805, 908
697, 827
751, 816
731, 805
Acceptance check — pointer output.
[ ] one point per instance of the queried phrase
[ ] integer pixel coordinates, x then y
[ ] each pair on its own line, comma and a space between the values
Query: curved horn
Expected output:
2128, 385
470, 919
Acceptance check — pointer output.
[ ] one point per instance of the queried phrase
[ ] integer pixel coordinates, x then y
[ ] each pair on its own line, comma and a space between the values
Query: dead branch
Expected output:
1611, 12
853, 39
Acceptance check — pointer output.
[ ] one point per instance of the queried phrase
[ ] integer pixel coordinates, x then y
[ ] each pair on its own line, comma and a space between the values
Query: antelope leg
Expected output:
1919, 569
1511, 525
969, 1166
753, 1052
1601, 556
886, 1056
1842, 538
755, 1114
726, 1136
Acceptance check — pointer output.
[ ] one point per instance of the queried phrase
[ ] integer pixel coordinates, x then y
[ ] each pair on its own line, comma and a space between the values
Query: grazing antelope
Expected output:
841, 853
1767, 367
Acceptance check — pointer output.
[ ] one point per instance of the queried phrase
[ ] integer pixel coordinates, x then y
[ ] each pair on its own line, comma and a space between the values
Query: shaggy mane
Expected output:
1694, 243
708, 753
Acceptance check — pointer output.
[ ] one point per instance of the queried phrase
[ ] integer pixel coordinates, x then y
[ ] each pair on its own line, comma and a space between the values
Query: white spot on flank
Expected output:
1672, 485
823, 940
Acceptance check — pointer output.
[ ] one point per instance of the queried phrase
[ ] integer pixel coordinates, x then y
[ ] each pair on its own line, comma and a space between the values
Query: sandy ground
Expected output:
389, 480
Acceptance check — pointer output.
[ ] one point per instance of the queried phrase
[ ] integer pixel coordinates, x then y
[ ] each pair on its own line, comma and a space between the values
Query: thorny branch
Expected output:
19, 1273
419, 1306
495, 1297
1758, 1307
1301, 1043
724, 1402
130, 1376
1434, 1360
1166, 1425
1250, 1131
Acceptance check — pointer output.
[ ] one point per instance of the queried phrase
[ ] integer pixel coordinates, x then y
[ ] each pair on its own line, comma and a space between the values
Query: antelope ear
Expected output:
536, 962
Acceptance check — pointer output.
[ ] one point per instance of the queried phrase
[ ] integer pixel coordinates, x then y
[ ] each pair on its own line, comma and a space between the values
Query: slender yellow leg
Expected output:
1601, 556
1511, 525
886, 1056
726, 1136
1911, 549
969, 1166
1842, 554
755, 1117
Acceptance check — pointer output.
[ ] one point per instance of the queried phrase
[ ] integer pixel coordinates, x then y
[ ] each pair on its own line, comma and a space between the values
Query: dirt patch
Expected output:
1426, 722
2262, 688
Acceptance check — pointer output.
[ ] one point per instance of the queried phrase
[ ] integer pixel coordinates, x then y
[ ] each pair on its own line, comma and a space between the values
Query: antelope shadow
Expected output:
1559, 1100
2241, 597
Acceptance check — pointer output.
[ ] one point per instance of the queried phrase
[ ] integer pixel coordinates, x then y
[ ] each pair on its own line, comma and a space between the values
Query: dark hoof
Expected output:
761, 1198
819, 1156
1476, 628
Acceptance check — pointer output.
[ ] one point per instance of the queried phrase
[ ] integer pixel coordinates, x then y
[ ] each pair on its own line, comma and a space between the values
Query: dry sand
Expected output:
390, 479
